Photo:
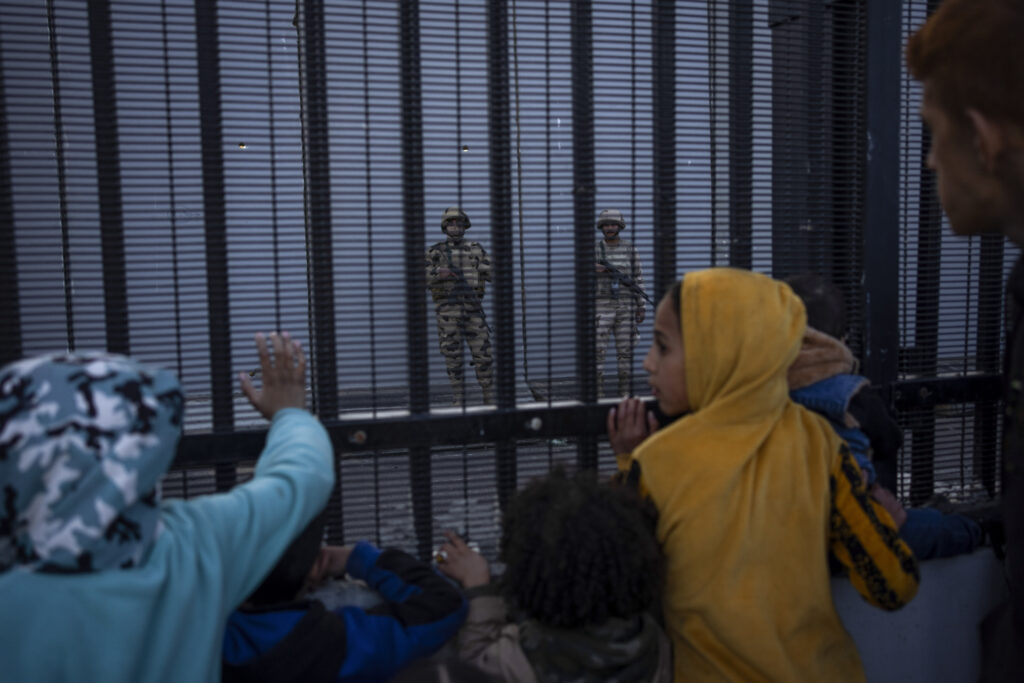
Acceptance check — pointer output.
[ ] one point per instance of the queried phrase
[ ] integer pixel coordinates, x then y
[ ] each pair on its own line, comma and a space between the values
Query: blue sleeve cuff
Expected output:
362, 559
283, 412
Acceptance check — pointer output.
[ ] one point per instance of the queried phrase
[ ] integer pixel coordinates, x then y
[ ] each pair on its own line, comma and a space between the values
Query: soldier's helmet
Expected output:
456, 213
613, 216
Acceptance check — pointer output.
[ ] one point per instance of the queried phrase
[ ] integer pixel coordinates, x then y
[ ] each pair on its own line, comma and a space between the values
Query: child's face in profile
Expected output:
666, 362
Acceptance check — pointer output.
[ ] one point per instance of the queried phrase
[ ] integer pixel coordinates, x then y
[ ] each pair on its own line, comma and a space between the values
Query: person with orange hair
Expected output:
968, 58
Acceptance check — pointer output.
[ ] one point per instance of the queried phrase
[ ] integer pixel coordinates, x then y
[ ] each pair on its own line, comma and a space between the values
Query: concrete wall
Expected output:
936, 636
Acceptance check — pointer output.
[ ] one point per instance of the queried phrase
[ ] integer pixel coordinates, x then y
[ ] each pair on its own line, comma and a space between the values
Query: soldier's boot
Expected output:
458, 390
457, 378
485, 377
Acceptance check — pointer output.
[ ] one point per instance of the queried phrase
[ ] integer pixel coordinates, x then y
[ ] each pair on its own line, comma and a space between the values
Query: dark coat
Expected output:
1003, 630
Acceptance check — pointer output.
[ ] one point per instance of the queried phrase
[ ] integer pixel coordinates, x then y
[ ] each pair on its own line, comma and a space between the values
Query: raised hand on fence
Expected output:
629, 423
284, 376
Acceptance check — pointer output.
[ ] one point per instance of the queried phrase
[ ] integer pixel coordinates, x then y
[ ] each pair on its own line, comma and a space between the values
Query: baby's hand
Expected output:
330, 562
462, 563
284, 377
888, 501
627, 427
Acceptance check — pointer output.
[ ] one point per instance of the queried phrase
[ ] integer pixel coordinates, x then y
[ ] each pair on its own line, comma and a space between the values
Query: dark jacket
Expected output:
303, 641
525, 651
1003, 630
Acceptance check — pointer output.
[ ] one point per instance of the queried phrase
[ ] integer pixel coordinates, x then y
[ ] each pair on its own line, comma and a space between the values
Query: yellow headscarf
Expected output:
742, 488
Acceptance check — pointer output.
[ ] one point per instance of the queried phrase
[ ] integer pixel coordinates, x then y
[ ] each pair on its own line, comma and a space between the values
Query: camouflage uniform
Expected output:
459, 310
616, 310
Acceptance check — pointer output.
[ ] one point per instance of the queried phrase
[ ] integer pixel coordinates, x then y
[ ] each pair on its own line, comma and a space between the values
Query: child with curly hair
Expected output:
583, 574
752, 491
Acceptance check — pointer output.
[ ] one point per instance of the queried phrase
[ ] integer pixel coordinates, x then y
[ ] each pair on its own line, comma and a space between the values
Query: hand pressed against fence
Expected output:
284, 376
629, 424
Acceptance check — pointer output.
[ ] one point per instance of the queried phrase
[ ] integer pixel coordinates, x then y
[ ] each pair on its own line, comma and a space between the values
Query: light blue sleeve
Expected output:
249, 527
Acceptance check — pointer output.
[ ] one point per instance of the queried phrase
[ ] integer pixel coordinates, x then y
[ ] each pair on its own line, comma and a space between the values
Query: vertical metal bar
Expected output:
172, 176
549, 250
10, 309
320, 252
922, 358
415, 278
412, 206
881, 219
318, 216
714, 88
838, 251
582, 40
62, 187
990, 291
881, 339
272, 120
663, 103
218, 308
741, 132
371, 285
801, 137
108, 177
501, 233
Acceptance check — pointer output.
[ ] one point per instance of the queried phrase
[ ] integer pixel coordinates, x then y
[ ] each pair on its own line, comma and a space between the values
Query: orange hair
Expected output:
969, 53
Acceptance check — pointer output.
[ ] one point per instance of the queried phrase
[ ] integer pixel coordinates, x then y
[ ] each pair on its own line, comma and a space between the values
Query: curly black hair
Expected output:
578, 551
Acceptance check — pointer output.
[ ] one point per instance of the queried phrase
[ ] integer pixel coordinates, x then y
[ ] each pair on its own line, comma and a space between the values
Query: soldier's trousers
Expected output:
457, 323
616, 317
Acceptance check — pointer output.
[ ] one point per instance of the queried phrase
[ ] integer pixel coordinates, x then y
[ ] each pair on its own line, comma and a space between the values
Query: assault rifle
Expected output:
626, 281
463, 293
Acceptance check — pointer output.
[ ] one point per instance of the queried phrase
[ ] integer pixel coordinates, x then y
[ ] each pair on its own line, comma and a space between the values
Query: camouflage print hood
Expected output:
84, 441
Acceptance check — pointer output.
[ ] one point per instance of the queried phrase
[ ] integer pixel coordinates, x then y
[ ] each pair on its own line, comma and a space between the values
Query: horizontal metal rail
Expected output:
452, 427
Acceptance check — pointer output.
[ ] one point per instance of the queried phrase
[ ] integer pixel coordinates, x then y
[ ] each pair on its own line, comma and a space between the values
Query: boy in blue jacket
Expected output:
281, 634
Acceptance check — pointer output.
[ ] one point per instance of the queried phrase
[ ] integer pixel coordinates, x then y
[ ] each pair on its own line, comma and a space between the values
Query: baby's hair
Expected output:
578, 551
826, 311
288, 576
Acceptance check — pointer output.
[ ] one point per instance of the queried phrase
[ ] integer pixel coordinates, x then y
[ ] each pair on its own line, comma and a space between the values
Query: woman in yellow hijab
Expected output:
753, 491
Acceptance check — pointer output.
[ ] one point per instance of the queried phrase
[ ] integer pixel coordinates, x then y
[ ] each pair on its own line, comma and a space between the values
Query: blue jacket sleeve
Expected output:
421, 611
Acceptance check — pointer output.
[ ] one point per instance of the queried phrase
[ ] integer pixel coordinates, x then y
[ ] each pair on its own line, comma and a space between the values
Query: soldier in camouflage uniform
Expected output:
456, 272
619, 308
